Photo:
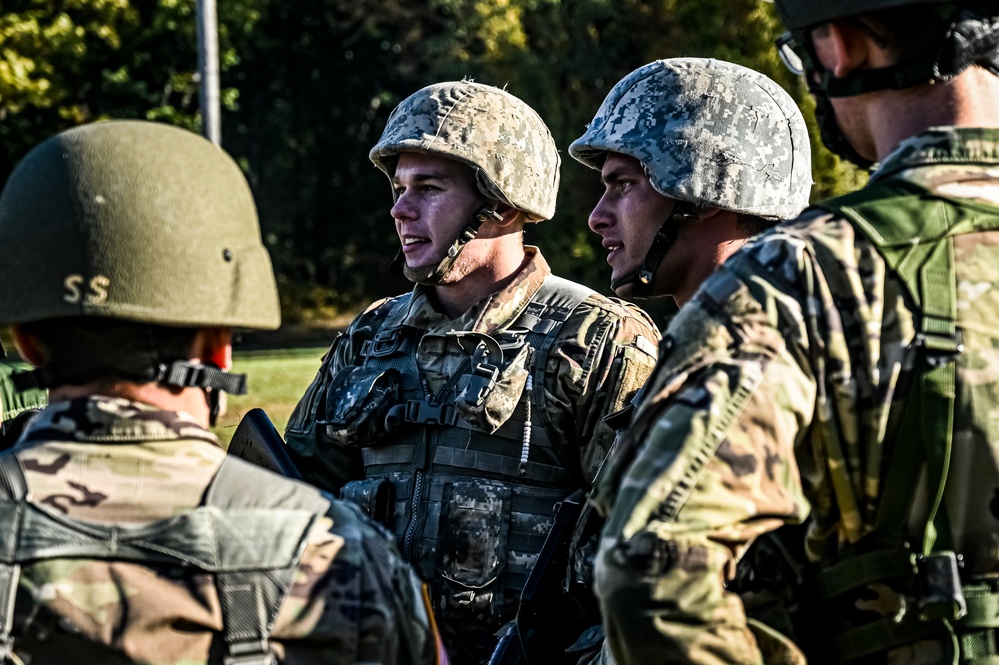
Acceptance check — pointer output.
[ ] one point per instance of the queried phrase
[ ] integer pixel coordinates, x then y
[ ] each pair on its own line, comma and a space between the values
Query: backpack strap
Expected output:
251, 599
13, 490
251, 541
913, 229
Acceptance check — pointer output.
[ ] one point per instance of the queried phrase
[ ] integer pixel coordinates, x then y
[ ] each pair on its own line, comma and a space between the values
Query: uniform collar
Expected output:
492, 313
99, 418
942, 145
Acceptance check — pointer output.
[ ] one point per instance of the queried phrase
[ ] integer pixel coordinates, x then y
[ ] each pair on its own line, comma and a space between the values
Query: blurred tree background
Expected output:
308, 86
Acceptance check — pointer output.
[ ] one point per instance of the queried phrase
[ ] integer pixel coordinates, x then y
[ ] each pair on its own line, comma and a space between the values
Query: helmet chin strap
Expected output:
433, 275
642, 277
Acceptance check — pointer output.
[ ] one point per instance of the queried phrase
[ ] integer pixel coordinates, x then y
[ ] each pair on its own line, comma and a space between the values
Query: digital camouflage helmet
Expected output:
501, 138
708, 133
134, 221
969, 32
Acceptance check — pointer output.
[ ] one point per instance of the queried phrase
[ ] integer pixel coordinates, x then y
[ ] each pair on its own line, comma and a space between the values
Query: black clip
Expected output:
385, 343
940, 349
941, 595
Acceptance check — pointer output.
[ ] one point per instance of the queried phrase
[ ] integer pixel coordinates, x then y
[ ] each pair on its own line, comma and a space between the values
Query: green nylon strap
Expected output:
913, 230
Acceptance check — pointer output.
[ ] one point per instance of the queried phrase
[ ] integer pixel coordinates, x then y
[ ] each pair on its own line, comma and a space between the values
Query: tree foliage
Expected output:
308, 87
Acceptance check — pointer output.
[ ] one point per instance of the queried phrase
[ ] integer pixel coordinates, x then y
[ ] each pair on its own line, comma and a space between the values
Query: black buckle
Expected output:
385, 343
941, 595
420, 413
940, 349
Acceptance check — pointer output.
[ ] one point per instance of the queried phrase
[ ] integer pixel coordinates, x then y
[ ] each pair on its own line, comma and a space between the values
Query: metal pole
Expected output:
208, 70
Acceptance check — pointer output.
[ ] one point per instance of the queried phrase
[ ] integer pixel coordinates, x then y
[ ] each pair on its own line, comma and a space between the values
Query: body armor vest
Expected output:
943, 562
252, 548
467, 477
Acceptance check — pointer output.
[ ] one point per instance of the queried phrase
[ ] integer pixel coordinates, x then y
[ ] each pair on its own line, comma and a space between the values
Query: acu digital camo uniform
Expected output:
783, 394
449, 477
108, 461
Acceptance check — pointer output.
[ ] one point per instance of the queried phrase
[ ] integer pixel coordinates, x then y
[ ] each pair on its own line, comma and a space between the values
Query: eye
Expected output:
426, 189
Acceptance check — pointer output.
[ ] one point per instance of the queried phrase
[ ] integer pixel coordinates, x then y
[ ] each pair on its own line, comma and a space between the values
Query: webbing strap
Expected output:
13, 488
252, 599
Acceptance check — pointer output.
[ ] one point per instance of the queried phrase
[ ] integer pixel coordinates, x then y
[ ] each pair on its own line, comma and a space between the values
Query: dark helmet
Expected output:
138, 222
970, 36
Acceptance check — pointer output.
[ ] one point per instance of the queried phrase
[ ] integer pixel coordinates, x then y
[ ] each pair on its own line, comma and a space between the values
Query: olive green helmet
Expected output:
707, 132
503, 139
137, 221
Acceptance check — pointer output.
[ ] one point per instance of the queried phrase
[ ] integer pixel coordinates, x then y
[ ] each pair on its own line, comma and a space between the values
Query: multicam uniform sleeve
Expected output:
321, 460
709, 463
607, 351
355, 600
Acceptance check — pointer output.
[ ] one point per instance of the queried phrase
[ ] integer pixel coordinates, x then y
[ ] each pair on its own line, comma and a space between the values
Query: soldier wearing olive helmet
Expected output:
459, 414
838, 370
128, 252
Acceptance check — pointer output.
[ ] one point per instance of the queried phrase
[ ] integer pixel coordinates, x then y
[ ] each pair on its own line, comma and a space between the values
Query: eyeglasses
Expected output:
797, 58
791, 53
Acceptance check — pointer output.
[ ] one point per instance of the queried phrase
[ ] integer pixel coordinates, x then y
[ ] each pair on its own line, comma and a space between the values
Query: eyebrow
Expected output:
424, 176
616, 174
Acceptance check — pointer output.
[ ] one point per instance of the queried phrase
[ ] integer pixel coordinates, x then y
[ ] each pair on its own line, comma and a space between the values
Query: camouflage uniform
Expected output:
473, 512
353, 600
782, 393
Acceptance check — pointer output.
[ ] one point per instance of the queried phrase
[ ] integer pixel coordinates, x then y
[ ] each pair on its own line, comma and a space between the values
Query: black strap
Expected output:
14, 489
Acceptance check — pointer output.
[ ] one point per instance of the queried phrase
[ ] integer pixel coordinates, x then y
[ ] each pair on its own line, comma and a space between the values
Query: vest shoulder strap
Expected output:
249, 539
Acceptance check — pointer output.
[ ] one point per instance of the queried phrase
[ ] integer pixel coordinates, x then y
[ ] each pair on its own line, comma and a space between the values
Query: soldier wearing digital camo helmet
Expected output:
696, 156
128, 252
461, 413
842, 368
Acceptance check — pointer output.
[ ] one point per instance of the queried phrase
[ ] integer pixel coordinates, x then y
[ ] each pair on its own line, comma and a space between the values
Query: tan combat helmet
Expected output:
135, 221
501, 138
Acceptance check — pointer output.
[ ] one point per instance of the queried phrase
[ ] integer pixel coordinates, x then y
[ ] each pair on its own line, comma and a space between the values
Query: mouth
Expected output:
613, 248
413, 243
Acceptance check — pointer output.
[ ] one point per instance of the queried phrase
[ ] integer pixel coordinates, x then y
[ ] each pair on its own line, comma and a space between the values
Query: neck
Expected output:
966, 101
491, 276
189, 400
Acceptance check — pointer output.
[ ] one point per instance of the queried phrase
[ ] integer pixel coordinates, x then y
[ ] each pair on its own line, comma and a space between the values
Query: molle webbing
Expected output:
253, 550
531, 515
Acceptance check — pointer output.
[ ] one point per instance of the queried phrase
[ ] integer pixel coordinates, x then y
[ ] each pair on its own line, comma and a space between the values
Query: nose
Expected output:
601, 217
403, 209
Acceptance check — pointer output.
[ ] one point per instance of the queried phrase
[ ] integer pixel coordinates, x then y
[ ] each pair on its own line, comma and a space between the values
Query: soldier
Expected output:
841, 366
461, 413
696, 156
128, 251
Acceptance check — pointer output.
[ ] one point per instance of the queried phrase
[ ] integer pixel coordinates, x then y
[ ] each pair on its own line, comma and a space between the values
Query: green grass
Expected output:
277, 380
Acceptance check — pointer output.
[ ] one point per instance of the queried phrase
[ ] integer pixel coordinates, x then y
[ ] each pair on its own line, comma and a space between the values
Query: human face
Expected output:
435, 198
628, 215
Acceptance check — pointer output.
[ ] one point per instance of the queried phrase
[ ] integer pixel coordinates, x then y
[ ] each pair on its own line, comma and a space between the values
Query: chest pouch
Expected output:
495, 382
357, 401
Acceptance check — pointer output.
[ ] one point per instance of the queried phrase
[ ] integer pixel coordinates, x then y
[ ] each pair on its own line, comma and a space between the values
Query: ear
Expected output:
843, 47
28, 346
213, 345
509, 214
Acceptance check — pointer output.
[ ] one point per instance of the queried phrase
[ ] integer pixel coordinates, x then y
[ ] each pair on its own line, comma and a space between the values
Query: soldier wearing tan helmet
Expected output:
839, 370
459, 414
128, 252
